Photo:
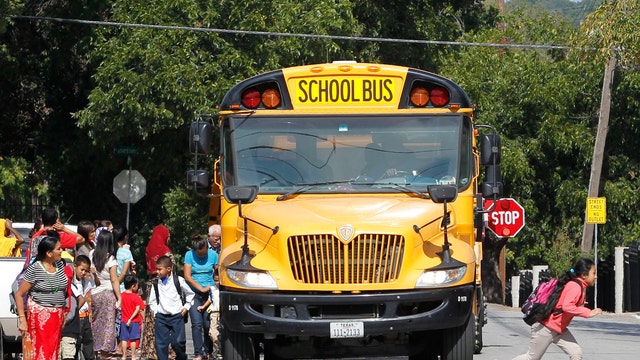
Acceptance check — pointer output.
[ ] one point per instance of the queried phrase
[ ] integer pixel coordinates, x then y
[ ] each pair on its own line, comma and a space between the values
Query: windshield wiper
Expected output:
403, 188
305, 187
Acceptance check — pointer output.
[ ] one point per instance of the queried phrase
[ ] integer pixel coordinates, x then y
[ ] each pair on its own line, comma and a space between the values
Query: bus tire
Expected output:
238, 346
458, 343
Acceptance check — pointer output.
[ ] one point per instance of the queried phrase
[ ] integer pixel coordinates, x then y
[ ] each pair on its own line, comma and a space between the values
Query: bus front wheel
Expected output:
238, 346
459, 342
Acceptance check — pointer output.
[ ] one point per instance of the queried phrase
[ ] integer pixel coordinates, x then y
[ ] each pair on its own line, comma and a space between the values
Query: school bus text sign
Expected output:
596, 210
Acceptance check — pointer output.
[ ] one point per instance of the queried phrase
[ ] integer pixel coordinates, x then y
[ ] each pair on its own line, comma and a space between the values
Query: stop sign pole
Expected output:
506, 219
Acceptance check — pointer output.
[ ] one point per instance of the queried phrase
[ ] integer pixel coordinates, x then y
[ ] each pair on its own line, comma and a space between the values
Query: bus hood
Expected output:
295, 239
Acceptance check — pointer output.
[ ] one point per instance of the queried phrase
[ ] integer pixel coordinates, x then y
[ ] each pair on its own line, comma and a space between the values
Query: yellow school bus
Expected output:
351, 213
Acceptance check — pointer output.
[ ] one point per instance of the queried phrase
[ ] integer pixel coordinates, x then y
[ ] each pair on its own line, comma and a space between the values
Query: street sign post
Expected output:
507, 217
596, 214
129, 186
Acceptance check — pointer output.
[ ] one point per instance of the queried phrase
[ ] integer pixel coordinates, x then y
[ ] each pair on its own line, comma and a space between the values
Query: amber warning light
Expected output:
420, 96
252, 98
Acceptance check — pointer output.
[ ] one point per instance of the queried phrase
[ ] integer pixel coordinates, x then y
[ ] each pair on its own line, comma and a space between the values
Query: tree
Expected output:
542, 103
611, 33
418, 20
44, 74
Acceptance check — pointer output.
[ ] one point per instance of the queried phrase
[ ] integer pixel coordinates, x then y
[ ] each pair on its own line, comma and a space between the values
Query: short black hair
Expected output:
129, 281
165, 261
82, 259
49, 216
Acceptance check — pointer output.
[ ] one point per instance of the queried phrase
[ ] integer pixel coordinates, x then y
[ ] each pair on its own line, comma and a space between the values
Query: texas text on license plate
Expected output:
347, 329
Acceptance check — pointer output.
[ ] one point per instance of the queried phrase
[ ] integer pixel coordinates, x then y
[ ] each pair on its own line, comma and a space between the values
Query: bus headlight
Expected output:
436, 278
252, 279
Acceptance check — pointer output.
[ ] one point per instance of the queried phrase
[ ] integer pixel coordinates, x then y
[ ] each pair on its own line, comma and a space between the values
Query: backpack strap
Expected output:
558, 310
155, 289
176, 282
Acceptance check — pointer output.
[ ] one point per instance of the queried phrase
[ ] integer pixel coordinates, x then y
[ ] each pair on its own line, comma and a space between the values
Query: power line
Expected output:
280, 34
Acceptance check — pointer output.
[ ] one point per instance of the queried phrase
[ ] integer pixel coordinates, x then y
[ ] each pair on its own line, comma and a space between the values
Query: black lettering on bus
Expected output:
377, 91
388, 86
322, 91
354, 96
345, 90
301, 87
366, 90
334, 91
312, 97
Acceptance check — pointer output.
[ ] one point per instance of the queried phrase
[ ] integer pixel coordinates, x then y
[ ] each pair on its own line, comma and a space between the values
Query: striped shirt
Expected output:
48, 289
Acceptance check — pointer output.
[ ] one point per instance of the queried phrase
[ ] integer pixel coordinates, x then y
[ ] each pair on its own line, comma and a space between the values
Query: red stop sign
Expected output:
507, 217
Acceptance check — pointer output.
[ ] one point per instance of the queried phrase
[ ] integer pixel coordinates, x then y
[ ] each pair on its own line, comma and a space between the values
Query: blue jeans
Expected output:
169, 329
200, 323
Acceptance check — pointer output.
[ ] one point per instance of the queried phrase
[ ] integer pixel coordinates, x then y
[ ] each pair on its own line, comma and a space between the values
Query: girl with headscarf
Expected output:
158, 246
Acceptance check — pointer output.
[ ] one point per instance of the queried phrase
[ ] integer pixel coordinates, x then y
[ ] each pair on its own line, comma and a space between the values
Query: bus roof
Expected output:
346, 87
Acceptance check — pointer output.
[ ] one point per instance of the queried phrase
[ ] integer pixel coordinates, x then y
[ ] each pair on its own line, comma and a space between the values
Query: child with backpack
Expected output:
72, 326
170, 301
565, 302
132, 305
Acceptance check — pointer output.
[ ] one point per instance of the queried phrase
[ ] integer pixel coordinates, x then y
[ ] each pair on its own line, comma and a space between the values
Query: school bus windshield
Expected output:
353, 154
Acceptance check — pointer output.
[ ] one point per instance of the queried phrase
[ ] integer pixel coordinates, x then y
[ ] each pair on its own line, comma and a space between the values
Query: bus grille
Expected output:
367, 259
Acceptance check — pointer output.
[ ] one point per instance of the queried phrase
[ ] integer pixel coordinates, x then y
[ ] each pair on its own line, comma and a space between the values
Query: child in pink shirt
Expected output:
570, 292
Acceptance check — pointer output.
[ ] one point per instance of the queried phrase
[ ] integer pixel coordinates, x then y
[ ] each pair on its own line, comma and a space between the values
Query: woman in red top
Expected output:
570, 292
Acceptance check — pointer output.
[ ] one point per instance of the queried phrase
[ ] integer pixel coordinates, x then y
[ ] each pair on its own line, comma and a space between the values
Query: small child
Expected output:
170, 300
132, 305
212, 305
71, 331
86, 283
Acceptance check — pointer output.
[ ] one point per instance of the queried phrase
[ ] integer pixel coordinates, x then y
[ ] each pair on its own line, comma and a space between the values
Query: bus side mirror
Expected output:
197, 178
240, 194
200, 137
490, 149
441, 193
492, 187
490, 156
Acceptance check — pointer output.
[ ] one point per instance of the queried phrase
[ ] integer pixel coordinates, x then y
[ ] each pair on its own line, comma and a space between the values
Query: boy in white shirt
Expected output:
170, 300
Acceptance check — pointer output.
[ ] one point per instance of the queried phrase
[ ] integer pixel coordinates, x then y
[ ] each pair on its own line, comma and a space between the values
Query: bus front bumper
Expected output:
377, 313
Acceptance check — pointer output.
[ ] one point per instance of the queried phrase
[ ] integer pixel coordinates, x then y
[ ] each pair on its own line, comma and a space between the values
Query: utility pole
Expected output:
598, 148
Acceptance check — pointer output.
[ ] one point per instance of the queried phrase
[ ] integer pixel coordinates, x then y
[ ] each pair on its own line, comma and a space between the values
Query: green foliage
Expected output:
149, 80
418, 20
574, 11
530, 96
562, 254
13, 179
613, 27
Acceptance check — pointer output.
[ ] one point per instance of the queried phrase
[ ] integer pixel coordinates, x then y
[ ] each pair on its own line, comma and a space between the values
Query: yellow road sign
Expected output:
596, 210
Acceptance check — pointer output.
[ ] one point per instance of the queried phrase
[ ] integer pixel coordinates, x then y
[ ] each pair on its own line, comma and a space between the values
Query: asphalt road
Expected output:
604, 337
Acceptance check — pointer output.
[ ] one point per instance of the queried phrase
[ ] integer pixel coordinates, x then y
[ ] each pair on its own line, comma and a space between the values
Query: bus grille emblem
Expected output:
345, 233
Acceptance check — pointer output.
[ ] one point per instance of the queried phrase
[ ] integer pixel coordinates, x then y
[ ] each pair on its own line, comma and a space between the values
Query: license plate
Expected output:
347, 329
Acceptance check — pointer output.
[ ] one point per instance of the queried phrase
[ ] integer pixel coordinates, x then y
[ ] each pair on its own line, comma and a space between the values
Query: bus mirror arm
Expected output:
244, 195
441, 194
